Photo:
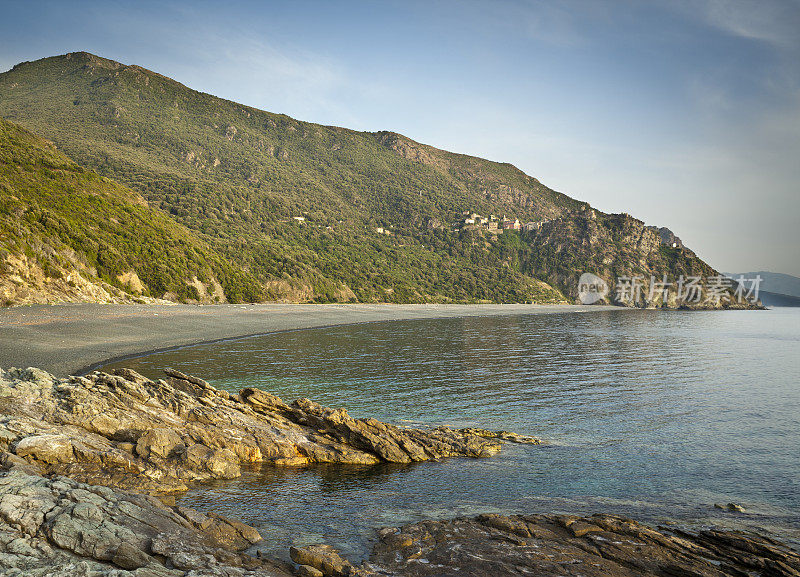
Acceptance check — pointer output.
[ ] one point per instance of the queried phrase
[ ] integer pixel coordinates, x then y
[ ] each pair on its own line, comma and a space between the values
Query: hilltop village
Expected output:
498, 225
494, 224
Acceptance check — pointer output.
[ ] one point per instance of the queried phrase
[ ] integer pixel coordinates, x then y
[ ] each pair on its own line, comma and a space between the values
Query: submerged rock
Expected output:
124, 430
735, 507
501, 435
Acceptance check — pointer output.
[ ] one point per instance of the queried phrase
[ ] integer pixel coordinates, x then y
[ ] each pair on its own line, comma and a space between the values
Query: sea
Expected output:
654, 415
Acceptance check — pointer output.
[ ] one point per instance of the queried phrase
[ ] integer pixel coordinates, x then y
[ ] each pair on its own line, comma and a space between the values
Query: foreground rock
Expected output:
61, 438
124, 430
59, 527
600, 545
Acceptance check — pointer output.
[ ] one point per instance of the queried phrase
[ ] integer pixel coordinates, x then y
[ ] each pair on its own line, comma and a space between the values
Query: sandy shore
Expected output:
71, 338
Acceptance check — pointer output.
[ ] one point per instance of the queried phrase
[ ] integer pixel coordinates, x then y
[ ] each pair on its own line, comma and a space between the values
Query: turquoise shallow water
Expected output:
653, 414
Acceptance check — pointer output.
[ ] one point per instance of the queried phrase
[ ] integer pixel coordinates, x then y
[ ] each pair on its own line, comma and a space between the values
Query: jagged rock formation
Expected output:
60, 439
668, 237
617, 246
61, 528
600, 545
124, 430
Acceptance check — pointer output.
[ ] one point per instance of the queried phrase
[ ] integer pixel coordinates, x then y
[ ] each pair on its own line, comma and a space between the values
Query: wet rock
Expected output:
124, 430
501, 435
309, 571
595, 546
324, 558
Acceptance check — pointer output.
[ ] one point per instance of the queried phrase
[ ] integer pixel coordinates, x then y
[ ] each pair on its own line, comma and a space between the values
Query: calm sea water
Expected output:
652, 414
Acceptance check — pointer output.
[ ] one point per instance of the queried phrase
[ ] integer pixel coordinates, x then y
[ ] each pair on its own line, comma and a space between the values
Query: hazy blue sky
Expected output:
685, 113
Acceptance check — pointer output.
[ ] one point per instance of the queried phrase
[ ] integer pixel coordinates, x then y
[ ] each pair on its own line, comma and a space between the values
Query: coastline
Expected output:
88, 452
85, 458
69, 339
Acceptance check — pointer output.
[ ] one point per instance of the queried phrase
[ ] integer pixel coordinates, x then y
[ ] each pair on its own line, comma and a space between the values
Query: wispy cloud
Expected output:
709, 95
243, 61
555, 24
775, 22
265, 74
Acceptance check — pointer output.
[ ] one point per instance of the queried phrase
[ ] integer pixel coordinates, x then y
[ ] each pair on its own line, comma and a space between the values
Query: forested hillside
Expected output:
68, 234
319, 213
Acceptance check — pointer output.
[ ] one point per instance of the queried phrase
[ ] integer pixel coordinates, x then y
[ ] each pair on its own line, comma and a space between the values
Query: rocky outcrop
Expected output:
668, 237
631, 258
60, 439
38, 280
596, 546
59, 527
126, 431
501, 435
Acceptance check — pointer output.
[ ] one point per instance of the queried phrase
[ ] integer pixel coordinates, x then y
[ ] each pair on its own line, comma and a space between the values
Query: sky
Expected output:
683, 113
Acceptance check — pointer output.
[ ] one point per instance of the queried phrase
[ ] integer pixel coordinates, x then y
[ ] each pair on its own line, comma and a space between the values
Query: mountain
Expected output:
68, 234
776, 289
774, 282
321, 213
771, 299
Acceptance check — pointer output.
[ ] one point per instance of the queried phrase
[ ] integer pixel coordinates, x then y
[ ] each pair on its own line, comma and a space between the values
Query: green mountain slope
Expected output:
316, 212
69, 234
